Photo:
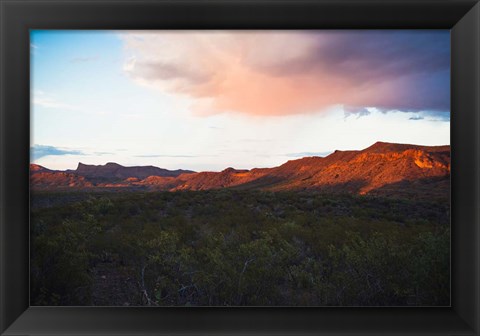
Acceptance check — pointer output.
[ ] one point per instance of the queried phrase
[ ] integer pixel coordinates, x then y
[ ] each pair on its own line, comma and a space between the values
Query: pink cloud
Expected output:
280, 73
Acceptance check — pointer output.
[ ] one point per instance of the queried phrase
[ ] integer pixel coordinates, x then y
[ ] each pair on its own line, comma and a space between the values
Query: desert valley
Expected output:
354, 228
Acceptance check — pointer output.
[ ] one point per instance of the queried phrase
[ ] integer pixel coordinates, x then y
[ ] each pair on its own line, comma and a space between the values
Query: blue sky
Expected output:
211, 100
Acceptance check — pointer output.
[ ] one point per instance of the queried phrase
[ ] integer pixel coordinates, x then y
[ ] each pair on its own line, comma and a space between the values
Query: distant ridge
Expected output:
383, 168
112, 171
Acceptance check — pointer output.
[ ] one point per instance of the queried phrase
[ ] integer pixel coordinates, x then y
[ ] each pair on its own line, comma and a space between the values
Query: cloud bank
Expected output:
39, 151
283, 72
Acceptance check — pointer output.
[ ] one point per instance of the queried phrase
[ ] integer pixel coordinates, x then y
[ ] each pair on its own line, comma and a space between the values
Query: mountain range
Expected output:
383, 168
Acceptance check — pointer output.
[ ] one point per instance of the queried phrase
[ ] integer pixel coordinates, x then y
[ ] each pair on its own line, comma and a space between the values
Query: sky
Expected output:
208, 100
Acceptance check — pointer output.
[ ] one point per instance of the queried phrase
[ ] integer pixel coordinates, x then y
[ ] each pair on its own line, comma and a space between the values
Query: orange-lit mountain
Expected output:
43, 178
383, 168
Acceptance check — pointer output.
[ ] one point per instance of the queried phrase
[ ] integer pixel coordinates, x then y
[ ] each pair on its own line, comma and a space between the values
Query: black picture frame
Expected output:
462, 17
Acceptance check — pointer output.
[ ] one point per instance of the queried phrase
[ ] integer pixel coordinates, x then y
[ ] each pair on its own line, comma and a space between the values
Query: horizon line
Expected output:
243, 169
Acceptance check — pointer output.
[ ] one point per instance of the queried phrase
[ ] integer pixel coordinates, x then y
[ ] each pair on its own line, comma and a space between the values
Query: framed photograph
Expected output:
228, 167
